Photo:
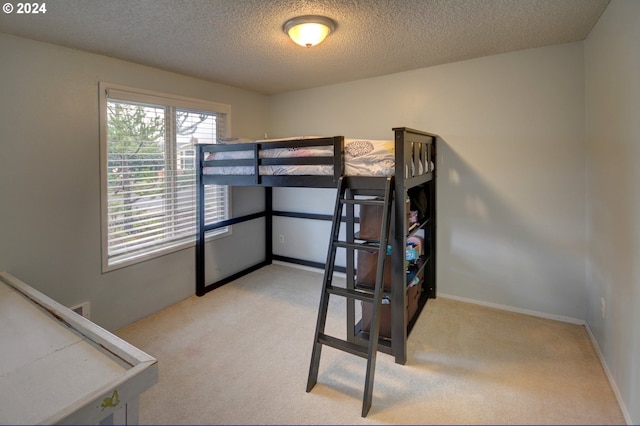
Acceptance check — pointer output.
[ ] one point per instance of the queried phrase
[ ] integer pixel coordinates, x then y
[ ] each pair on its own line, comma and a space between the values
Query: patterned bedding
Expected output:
363, 157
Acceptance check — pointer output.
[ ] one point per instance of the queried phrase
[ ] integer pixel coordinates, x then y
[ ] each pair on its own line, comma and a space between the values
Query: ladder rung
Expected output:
363, 288
362, 337
365, 202
352, 294
368, 240
357, 246
343, 345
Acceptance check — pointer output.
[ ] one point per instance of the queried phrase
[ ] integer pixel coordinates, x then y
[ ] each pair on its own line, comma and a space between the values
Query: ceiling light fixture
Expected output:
309, 30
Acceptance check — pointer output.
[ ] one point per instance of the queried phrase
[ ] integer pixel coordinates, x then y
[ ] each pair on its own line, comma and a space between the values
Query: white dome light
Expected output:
309, 30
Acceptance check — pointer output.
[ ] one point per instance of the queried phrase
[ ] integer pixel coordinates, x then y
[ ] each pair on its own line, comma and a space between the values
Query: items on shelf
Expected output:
370, 221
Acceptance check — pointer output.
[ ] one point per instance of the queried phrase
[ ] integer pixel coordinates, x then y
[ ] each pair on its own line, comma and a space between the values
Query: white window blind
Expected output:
148, 163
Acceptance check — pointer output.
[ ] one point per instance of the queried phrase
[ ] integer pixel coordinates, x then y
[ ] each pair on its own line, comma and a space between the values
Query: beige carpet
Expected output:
240, 355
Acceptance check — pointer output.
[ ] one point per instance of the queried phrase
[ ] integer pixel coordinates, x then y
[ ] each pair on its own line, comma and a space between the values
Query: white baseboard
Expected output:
570, 320
461, 299
561, 318
516, 310
612, 382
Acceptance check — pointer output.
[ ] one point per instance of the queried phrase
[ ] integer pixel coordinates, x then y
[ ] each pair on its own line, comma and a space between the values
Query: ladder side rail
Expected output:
351, 262
377, 298
324, 297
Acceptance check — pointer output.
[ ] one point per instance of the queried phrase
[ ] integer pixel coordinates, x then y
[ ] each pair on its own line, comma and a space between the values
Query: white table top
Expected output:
56, 366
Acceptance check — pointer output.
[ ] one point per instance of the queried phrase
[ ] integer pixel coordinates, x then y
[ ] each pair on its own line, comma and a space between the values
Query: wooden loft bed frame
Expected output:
415, 161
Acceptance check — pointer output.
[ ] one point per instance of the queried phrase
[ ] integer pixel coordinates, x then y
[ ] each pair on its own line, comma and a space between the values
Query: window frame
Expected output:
135, 95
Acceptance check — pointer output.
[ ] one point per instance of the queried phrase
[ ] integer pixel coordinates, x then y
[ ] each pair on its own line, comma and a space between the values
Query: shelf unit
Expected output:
401, 320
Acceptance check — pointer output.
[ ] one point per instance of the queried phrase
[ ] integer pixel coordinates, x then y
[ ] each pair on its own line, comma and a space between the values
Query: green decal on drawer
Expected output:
112, 401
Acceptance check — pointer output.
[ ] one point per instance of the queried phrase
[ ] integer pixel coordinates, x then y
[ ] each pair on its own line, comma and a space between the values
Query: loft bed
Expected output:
319, 162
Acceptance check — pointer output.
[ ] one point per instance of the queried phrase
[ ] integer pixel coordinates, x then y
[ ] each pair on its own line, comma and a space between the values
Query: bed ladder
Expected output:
348, 189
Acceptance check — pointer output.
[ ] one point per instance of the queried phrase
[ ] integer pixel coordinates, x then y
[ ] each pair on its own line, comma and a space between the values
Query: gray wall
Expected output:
613, 197
511, 188
50, 183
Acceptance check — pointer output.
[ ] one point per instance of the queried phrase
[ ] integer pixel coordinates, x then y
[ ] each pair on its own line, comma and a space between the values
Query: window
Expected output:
148, 172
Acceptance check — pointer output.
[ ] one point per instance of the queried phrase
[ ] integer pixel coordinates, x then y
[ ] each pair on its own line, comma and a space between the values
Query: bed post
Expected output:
434, 221
268, 218
338, 158
200, 290
398, 243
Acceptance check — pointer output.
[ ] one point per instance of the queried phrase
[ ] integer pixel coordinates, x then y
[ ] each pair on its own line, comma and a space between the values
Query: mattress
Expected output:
363, 157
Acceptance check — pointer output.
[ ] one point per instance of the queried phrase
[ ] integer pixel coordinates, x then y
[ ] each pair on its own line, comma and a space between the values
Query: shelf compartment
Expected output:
413, 297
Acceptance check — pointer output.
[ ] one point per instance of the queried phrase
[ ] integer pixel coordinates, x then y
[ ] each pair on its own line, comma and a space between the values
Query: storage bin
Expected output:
413, 296
367, 264
385, 318
371, 221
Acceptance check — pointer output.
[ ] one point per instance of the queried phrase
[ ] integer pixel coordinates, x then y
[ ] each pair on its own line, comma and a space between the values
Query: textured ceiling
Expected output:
241, 43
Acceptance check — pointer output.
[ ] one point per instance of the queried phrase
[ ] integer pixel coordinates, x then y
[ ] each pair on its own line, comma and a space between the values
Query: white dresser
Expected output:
58, 367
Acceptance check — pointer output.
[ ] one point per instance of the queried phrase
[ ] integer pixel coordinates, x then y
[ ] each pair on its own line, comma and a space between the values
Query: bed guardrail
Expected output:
253, 162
